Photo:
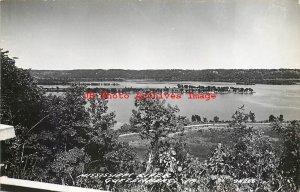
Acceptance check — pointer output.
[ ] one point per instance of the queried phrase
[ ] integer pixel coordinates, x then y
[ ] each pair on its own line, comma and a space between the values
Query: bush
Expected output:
248, 165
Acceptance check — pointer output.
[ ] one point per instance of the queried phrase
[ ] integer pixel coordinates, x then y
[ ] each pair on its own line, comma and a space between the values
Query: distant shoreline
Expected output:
238, 76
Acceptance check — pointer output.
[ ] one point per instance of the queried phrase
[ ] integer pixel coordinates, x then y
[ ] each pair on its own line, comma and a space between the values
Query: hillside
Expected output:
247, 76
201, 139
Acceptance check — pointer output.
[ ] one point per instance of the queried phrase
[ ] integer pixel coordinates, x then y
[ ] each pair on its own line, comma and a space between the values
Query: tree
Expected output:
196, 118
57, 137
37, 150
290, 158
21, 106
125, 128
216, 119
272, 118
252, 153
83, 136
69, 119
252, 116
193, 118
154, 121
280, 118
21, 98
107, 154
250, 156
69, 164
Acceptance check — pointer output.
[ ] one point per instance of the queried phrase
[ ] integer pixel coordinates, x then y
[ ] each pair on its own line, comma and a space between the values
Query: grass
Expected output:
201, 140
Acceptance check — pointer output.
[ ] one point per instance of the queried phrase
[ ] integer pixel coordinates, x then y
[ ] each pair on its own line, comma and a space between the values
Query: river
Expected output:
267, 99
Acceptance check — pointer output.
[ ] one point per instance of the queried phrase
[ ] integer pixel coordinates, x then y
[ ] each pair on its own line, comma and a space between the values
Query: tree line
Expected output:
246, 76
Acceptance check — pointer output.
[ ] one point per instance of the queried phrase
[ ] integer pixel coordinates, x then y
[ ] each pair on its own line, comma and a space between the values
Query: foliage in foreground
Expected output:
249, 165
290, 159
57, 137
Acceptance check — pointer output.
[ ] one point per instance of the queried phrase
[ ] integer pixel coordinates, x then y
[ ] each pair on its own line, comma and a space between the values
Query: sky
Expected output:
151, 34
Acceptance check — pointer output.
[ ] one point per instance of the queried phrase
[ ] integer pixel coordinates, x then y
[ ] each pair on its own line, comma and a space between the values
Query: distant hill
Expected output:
247, 76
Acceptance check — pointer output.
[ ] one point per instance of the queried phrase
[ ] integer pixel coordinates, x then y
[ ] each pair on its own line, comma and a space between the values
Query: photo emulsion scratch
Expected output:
150, 95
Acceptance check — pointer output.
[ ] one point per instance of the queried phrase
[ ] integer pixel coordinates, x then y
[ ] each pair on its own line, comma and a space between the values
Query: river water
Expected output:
267, 99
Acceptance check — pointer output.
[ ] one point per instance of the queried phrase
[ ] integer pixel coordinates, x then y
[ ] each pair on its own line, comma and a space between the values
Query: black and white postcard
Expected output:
150, 95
